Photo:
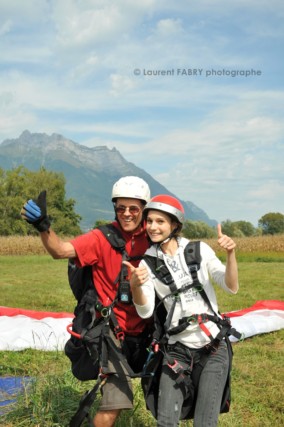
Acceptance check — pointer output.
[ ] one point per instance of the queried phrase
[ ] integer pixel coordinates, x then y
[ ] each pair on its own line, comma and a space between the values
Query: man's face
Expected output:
129, 213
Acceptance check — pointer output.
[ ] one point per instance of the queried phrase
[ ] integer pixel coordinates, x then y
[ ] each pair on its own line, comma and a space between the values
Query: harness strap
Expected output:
121, 357
86, 403
170, 316
201, 319
178, 370
182, 370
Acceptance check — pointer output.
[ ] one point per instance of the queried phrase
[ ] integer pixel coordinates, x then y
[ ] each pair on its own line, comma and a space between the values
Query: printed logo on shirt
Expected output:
173, 265
190, 294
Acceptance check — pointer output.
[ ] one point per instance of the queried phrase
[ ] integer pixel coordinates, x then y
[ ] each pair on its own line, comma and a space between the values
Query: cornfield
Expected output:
31, 245
263, 244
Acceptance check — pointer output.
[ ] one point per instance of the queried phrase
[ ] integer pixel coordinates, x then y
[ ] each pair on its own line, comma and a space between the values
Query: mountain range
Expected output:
89, 172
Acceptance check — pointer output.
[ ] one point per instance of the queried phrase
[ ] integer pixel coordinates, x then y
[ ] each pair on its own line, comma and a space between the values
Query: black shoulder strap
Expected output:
160, 270
192, 256
114, 237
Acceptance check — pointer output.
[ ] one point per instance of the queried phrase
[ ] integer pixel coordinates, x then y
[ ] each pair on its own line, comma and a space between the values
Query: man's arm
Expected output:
56, 247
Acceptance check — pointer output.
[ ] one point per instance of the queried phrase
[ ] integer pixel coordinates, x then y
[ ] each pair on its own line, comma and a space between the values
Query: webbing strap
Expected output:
201, 319
85, 404
121, 357
108, 345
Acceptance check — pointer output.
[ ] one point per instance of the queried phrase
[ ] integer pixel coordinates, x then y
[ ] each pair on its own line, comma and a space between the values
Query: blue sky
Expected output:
190, 91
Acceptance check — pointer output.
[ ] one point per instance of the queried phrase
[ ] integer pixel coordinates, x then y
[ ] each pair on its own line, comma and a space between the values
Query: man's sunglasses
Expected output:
132, 209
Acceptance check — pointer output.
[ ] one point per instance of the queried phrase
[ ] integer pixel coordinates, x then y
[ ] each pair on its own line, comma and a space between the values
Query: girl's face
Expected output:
159, 226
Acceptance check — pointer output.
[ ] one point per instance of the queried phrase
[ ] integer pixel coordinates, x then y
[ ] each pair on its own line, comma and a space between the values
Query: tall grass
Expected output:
35, 281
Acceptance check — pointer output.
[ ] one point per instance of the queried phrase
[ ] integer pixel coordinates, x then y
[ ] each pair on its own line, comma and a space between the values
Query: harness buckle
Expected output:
119, 334
212, 347
176, 296
202, 318
105, 312
168, 279
155, 346
193, 268
178, 370
176, 367
102, 375
226, 320
191, 319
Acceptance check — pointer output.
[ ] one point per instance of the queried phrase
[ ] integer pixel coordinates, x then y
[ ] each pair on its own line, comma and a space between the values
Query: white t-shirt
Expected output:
191, 302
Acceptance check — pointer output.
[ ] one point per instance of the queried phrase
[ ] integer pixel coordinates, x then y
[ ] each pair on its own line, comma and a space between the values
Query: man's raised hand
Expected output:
34, 212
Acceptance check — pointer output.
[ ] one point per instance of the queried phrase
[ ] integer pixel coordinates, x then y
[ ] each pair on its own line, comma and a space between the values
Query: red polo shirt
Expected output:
93, 249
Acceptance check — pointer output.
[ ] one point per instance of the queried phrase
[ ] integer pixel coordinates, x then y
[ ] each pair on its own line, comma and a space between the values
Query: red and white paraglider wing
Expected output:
263, 317
21, 329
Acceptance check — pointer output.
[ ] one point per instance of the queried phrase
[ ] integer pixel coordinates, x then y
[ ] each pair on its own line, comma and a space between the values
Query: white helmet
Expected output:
131, 187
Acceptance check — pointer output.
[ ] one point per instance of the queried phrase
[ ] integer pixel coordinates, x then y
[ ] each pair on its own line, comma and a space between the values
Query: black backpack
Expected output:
162, 320
90, 339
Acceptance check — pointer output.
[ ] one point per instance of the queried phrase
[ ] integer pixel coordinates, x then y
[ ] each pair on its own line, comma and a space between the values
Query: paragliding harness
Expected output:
94, 327
186, 374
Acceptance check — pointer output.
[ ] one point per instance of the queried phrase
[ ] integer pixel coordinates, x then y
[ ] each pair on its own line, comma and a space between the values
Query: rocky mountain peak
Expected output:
89, 172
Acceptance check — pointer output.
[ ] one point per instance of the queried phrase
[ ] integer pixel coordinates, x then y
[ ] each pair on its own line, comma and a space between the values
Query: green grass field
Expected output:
37, 282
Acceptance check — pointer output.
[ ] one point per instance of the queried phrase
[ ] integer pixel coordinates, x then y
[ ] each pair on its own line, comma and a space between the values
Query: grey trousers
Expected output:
210, 391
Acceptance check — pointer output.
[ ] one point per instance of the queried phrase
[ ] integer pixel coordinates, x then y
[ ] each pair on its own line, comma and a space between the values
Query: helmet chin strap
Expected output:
171, 235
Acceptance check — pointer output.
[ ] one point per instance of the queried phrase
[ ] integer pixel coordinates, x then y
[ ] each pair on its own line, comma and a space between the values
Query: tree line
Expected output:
20, 184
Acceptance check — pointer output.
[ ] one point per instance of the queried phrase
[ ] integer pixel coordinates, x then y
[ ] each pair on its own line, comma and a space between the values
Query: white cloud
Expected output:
169, 27
5, 27
121, 84
92, 22
77, 28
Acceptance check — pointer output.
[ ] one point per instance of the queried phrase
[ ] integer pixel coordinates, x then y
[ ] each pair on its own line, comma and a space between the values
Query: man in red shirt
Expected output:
129, 196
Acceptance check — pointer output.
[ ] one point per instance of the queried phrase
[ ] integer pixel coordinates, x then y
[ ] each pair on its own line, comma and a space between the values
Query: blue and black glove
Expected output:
34, 212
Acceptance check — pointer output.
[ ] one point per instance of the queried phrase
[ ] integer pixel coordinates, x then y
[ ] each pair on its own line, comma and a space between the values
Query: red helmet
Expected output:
167, 204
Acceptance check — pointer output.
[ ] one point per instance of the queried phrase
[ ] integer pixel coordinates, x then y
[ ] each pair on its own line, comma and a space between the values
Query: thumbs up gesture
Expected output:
138, 275
225, 241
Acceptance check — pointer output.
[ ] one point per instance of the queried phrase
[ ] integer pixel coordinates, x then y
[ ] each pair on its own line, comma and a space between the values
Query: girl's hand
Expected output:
225, 241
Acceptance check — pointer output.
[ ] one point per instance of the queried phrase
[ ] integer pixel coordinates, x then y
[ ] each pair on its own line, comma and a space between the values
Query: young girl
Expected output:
164, 219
